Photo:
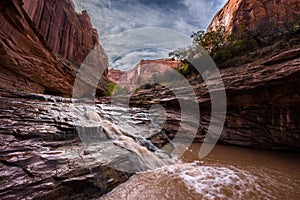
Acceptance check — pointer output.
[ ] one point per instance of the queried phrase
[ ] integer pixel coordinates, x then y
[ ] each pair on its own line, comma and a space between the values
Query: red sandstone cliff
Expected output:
170, 63
114, 74
143, 72
241, 15
33, 46
66, 32
25, 62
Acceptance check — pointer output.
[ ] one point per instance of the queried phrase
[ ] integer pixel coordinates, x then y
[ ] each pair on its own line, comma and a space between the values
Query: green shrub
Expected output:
224, 47
114, 89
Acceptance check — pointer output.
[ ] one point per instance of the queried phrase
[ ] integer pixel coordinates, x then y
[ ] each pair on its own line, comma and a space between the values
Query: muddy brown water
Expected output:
226, 173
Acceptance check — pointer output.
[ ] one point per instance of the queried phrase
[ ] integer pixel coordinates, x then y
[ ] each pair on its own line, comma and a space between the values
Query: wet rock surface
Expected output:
41, 155
59, 148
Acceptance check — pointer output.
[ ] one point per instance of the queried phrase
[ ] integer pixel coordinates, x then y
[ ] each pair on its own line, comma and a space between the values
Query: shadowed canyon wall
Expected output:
66, 32
42, 44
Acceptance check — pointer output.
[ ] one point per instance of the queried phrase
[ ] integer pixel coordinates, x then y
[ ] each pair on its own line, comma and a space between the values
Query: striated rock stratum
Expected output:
41, 154
42, 44
262, 103
66, 32
242, 15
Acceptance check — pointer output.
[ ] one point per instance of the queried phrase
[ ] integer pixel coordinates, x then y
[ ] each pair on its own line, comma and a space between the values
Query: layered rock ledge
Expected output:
262, 103
41, 155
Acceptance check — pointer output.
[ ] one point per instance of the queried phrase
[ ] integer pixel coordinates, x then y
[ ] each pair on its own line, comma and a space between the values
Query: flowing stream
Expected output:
227, 173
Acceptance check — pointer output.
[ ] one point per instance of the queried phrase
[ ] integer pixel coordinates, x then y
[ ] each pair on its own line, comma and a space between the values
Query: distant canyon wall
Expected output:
143, 73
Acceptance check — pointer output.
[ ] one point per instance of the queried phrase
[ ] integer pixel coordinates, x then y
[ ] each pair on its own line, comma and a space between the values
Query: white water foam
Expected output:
212, 182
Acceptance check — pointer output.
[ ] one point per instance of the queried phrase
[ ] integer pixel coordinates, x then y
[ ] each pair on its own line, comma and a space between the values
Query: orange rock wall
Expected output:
66, 32
241, 15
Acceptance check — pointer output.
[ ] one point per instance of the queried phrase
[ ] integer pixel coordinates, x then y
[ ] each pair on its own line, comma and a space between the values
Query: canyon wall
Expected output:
242, 15
262, 104
114, 74
40, 53
262, 96
26, 64
66, 32
143, 73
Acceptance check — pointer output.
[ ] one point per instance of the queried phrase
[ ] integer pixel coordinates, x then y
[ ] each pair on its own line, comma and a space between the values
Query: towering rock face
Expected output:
241, 15
66, 32
29, 48
25, 62
143, 73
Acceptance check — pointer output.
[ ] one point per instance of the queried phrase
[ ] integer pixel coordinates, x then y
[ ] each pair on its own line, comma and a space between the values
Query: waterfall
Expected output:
117, 142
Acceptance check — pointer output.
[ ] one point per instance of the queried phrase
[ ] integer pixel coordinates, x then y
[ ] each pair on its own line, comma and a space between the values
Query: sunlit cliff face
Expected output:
114, 18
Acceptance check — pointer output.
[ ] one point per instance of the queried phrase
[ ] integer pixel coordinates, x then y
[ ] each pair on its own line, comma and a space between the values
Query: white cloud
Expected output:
115, 18
159, 40
126, 61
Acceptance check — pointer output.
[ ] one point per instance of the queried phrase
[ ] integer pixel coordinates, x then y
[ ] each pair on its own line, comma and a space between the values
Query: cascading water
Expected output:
119, 137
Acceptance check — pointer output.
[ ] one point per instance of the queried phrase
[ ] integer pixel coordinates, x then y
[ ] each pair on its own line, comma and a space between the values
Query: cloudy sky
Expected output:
131, 30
